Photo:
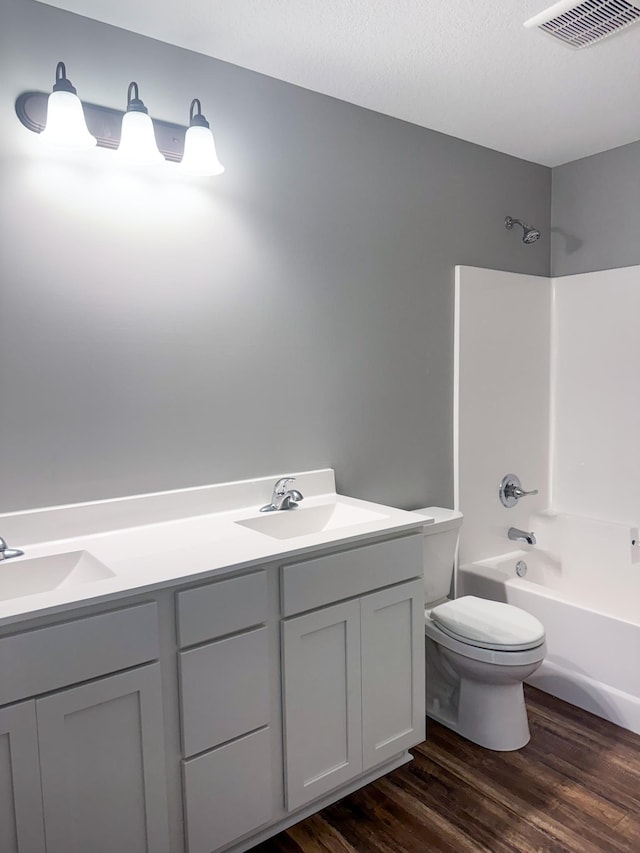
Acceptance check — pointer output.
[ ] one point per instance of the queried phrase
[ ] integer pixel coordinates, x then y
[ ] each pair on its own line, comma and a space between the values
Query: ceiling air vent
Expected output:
583, 24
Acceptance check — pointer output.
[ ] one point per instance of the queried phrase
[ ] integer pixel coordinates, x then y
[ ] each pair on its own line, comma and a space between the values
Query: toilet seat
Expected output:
486, 624
498, 657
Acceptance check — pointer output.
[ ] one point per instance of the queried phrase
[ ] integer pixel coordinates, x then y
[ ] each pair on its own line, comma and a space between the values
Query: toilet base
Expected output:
494, 718
480, 700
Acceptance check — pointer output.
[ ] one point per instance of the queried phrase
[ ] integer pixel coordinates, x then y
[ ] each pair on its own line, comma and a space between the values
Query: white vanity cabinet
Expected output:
225, 703
82, 767
204, 711
353, 672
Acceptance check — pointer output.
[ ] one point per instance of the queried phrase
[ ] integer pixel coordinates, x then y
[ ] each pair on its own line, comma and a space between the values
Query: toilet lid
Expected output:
488, 624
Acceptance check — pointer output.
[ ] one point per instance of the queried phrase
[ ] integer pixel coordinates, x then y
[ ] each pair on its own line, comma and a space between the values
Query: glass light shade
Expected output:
200, 156
138, 141
66, 126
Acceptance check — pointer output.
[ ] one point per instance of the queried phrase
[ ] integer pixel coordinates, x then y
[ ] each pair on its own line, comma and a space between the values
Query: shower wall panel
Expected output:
501, 416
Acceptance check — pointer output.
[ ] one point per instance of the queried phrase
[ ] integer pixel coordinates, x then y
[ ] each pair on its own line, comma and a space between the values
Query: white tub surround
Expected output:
545, 387
546, 379
216, 673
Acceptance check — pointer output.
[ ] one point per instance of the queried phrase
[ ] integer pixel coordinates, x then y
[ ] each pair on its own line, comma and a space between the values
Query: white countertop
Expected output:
152, 541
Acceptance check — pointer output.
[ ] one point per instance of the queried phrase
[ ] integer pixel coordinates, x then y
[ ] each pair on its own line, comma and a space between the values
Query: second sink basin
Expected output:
41, 574
286, 524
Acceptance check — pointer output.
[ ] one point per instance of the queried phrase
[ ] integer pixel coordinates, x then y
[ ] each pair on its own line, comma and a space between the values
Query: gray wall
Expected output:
296, 312
596, 212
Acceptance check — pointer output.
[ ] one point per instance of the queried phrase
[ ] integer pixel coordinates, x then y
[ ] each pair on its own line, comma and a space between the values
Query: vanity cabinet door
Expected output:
21, 826
353, 688
322, 701
393, 697
102, 765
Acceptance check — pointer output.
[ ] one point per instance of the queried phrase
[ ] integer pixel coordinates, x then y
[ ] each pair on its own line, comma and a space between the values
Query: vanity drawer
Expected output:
224, 690
223, 607
48, 658
228, 792
324, 580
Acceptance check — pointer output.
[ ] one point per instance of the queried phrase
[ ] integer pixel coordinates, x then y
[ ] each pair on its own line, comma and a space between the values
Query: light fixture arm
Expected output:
134, 104
200, 157
62, 84
197, 119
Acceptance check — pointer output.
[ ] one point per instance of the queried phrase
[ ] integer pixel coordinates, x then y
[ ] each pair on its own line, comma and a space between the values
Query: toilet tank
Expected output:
441, 531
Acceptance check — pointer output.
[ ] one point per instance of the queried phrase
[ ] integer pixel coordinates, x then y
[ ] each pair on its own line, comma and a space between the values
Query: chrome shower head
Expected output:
530, 235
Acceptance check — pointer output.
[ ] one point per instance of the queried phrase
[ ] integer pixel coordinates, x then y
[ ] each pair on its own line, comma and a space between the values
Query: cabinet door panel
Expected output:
21, 826
392, 625
322, 701
102, 761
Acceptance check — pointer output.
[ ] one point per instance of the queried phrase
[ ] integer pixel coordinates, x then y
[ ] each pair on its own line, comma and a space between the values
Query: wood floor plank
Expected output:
512, 806
317, 835
542, 786
575, 788
477, 821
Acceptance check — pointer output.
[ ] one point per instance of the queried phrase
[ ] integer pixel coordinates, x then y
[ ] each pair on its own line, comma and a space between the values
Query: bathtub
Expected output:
593, 629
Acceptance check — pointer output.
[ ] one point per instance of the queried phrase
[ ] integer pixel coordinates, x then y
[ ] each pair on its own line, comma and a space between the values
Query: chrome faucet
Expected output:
521, 536
283, 498
8, 553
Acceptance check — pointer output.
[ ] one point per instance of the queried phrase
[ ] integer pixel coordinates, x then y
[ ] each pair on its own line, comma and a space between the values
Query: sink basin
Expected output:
287, 524
42, 574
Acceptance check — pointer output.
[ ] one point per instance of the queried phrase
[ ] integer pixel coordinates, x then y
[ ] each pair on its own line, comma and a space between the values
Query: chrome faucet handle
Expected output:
7, 553
510, 490
520, 493
281, 497
281, 485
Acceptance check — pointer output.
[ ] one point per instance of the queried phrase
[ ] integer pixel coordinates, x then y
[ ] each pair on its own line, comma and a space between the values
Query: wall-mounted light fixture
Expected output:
199, 156
66, 125
137, 139
63, 120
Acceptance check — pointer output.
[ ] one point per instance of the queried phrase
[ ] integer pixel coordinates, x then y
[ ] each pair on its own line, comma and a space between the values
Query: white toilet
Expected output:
478, 651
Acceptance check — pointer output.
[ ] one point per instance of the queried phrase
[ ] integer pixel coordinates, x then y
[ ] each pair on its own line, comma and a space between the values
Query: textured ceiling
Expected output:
463, 67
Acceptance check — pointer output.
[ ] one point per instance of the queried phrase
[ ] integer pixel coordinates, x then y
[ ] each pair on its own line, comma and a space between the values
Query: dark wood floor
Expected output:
574, 787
